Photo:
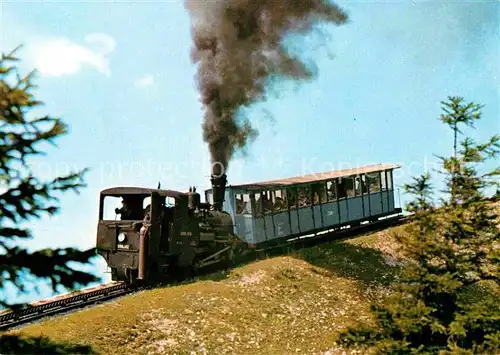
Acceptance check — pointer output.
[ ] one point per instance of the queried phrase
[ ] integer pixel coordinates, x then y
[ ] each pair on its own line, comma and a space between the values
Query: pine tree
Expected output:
447, 300
455, 114
23, 196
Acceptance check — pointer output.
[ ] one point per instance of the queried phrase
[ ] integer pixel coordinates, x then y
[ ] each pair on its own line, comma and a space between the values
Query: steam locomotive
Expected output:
165, 241
165, 234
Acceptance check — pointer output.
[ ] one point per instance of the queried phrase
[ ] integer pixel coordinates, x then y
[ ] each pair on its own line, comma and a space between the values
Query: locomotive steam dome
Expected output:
193, 198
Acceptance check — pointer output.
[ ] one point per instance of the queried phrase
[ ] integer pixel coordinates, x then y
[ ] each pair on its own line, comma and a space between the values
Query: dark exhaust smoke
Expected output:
238, 45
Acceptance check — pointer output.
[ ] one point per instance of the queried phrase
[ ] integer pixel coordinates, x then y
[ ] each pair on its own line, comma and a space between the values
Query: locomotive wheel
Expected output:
182, 273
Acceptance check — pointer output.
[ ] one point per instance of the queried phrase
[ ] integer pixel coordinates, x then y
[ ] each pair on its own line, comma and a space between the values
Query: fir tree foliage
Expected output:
24, 197
447, 299
457, 113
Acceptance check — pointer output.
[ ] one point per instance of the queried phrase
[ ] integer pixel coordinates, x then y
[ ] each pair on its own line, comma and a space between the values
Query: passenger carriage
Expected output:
277, 210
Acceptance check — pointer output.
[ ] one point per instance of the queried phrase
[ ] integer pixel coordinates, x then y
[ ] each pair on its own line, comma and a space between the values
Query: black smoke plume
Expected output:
238, 45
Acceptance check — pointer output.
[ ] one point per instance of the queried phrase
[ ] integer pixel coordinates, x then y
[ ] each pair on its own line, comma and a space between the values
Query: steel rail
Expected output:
63, 303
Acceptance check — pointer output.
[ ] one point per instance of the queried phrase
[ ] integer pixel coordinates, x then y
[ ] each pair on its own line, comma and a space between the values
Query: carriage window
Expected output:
364, 184
292, 197
389, 180
280, 203
243, 205
318, 193
258, 204
238, 199
304, 196
267, 202
374, 182
383, 181
357, 185
349, 186
342, 193
331, 190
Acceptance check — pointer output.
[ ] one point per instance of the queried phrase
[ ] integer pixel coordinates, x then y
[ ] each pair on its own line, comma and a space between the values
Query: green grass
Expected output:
281, 305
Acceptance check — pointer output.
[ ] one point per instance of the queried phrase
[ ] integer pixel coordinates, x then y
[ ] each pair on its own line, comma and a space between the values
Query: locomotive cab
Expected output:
137, 230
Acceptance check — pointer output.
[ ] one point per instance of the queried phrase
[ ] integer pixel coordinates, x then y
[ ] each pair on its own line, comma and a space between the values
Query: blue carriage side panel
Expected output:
355, 208
294, 221
330, 214
244, 228
366, 207
282, 224
342, 205
306, 223
318, 218
259, 230
375, 203
228, 204
385, 202
391, 200
269, 226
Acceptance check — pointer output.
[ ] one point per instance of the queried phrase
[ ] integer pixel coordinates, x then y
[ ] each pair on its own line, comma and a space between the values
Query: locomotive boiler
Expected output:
164, 234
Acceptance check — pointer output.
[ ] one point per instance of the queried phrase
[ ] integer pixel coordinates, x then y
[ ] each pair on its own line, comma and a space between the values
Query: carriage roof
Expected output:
317, 177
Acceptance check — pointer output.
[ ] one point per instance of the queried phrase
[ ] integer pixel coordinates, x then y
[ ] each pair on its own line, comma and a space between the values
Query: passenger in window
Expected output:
282, 202
342, 188
278, 204
258, 205
239, 205
357, 186
304, 198
330, 191
316, 198
247, 209
364, 187
267, 203
374, 180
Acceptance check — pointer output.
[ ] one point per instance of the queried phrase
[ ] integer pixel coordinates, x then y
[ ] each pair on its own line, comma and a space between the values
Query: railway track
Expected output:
90, 296
63, 303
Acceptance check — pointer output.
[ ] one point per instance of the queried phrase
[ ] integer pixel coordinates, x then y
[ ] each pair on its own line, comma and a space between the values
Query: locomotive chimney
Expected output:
218, 190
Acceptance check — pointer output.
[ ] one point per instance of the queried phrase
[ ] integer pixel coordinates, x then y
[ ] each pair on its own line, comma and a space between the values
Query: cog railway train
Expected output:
164, 234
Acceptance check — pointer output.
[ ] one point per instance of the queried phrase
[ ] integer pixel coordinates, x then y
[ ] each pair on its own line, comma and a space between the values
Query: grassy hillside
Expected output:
281, 305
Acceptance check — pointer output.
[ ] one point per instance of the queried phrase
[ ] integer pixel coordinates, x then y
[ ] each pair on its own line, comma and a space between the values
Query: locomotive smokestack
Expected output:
218, 179
218, 190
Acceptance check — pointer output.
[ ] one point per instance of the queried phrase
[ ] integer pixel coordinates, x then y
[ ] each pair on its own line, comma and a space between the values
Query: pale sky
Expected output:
119, 73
